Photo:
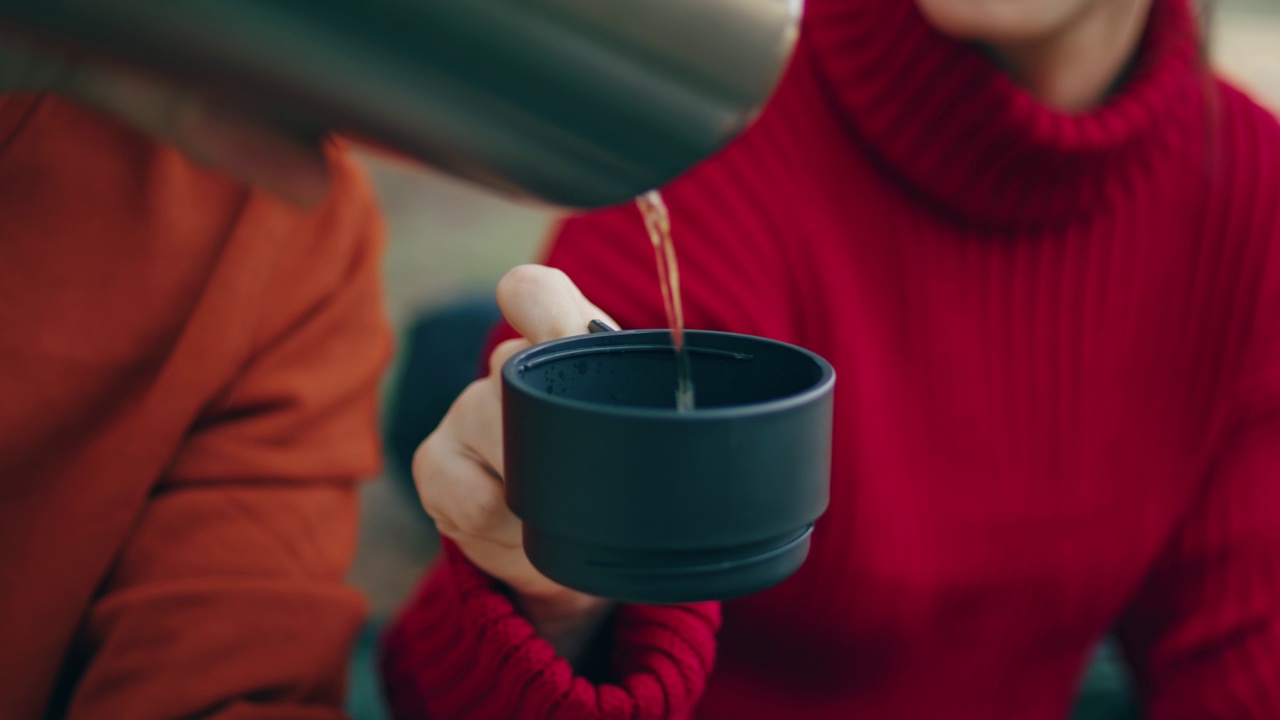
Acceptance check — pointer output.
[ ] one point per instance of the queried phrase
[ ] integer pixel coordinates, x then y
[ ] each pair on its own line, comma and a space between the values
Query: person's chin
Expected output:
991, 22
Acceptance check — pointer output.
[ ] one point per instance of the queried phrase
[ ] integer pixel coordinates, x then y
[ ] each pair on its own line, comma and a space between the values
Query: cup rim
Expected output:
511, 380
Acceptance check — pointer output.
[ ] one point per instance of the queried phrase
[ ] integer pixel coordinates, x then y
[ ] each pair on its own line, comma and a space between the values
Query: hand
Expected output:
220, 138
458, 469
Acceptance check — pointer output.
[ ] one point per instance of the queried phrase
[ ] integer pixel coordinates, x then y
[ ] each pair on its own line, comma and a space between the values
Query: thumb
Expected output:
543, 304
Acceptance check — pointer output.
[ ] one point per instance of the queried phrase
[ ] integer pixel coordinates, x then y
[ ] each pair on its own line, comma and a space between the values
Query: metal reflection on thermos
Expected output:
578, 103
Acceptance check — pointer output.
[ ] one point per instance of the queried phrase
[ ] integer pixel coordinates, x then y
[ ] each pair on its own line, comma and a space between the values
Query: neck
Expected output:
1077, 67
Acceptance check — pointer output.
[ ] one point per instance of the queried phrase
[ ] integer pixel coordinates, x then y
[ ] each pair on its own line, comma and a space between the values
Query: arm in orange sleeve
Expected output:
229, 600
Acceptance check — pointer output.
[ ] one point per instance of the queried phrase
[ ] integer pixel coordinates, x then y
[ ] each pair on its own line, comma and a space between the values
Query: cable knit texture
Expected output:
1057, 337
461, 651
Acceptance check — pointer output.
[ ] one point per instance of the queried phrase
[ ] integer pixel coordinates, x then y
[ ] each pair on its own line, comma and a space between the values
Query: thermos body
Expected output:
576, 103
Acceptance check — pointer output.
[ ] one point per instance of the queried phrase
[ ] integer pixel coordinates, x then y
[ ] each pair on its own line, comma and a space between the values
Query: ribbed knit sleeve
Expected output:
461, 651
1204, 631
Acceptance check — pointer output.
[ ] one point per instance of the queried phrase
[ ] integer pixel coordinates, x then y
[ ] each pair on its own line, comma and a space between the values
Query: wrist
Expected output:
569, 620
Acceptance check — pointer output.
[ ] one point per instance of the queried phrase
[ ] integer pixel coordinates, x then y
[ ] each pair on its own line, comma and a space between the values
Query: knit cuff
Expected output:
460, 650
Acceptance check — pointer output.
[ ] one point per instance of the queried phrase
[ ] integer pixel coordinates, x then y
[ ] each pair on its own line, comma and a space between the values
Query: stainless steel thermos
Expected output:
577, 103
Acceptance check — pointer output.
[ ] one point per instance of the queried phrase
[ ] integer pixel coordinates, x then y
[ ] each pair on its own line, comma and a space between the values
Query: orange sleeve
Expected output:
228, 600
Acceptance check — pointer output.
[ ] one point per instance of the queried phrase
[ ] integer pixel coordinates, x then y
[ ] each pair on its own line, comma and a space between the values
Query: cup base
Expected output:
658, 577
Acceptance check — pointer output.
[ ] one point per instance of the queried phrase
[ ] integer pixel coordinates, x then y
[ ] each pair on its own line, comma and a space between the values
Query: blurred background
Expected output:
449, 244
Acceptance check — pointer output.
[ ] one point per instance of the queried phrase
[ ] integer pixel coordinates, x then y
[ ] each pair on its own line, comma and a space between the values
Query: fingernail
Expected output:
599, 326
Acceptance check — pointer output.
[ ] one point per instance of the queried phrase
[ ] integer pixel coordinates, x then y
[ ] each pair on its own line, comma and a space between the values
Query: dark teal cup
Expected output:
623, 496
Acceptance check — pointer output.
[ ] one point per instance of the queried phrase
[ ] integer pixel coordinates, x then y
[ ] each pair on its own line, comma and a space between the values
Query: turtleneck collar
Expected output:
958, 130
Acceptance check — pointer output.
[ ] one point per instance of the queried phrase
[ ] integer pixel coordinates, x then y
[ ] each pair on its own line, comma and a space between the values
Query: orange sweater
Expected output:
188, 380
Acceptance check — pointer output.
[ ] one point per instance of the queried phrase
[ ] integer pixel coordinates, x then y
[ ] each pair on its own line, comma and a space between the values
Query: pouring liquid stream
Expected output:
657, 221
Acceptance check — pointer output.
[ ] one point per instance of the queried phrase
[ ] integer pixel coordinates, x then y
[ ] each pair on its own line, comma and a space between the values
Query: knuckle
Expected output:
478, 510
504, 351
458, 501
507, 347
425, 469
469, 403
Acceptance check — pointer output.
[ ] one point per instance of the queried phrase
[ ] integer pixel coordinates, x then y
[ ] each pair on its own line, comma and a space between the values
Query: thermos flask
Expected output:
576, 103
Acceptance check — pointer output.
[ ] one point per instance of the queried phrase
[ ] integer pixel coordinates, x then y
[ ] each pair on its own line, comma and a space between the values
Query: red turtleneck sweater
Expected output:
1058, 412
